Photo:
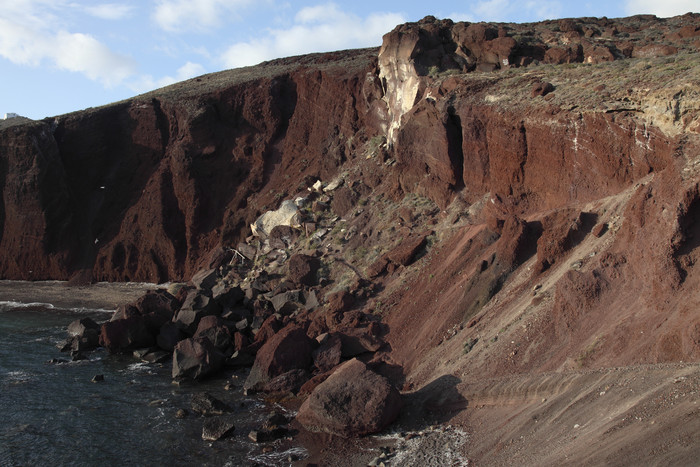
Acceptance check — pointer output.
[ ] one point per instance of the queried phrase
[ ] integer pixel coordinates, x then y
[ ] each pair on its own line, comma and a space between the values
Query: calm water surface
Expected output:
52, 414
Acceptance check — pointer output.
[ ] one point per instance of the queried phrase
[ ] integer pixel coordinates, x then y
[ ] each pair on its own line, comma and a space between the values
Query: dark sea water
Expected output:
52, 414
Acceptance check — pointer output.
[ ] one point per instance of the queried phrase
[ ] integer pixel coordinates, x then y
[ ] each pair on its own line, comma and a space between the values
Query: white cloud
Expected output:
111, 11
186, 71
459, 16
509, 10
194, 15
320, 28
663, 8
31, 34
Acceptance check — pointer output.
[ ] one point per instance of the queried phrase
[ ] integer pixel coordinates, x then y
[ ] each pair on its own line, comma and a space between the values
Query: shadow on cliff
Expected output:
3, 175
436, 402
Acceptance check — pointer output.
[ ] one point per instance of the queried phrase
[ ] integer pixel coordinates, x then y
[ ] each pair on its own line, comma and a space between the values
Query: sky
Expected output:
58, 56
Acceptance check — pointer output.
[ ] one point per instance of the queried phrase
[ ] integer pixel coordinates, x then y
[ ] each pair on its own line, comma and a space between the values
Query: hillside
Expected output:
513, 211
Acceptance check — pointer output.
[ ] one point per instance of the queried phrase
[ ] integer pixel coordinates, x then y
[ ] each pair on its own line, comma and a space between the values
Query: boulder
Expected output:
542, 89
249, 251
196, 358
329, 353
285, 302
358, 341
302, 269
404, 253
353, 401
160, 302
197, 305
205, 279
125, 311
125, 334
80, 326
168, 337
284, 236
288, 382
205, 404
217, 428
155, 356
287, 214
287, 350
212, 328
340, 302
344, 200
227, 295
268, 328
653, 50
84, 334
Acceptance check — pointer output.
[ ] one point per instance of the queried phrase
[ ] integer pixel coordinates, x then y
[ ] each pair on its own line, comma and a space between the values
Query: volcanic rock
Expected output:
302, 269
205, 404
353, 401
214, 429
126, 334
197, 305
328, 355
287, 350
169, 335
195, 359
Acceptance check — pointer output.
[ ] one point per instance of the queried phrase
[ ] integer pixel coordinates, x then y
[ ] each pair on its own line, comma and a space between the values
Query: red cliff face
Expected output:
506, 200
558, 158
140, 190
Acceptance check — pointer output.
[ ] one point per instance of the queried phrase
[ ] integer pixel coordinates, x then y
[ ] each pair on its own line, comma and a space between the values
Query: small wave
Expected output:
79, 310
11, 304
139, 367
17, 377
277, 458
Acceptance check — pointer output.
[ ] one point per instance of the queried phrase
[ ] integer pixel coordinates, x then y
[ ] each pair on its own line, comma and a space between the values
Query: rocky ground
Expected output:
497, 221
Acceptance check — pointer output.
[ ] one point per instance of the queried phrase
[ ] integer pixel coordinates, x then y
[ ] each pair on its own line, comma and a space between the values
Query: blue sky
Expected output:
57, 56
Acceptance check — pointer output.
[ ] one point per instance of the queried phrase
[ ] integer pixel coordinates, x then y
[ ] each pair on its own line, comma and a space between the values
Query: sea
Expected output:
52, 414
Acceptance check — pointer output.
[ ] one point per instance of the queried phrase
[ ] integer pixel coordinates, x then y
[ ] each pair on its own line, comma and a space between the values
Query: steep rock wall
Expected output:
140, 190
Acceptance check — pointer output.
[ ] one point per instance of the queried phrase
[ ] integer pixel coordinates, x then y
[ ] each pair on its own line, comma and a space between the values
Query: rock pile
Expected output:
263, 305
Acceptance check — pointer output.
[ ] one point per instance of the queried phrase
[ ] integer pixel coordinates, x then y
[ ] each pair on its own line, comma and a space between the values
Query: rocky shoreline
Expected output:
267, 306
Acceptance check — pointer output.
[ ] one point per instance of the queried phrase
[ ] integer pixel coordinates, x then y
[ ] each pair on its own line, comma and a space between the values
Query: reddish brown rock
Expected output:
195, 359
344, 200
289, 349
542, 89
339, 302
405, 252
353, 401
302, 269
329, 353
288, 382
213, 329
126, 334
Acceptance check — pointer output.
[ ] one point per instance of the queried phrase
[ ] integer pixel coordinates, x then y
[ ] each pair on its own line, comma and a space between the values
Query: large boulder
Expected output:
353, 401
213, 329
216, 428
302, 269
329, 353
205, 279
157, 301
196, 306
289, 349
86, 332
196, 358
287, 214
169, 335
126, 334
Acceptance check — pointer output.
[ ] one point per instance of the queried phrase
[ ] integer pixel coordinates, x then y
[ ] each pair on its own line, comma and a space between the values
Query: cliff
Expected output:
518, 206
